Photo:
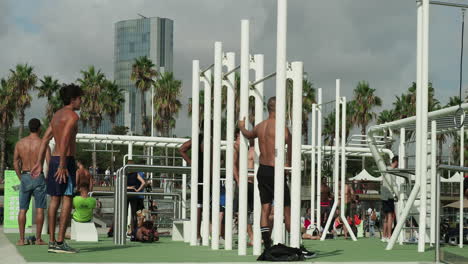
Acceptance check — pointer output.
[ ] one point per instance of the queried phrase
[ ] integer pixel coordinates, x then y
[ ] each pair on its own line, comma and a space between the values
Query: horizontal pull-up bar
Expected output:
448, 4
453, 168
231, 71
207, 68
263, 79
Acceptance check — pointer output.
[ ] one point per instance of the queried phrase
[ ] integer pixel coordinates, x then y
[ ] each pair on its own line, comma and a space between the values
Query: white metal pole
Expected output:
423, 126
130, 151
280, 120
336, 172
244, 104
343, 168
313, 175
402, 192
195, 149
433, 179
258, 93
230, 84
298, 72
218, 64
206, 158
184, 192
319, 155
462, 164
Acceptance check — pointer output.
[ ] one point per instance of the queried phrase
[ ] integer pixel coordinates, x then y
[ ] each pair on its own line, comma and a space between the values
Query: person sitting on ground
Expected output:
84, 205
145, 231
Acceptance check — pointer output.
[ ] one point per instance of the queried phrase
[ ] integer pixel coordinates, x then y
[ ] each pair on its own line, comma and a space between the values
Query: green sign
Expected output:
11, 202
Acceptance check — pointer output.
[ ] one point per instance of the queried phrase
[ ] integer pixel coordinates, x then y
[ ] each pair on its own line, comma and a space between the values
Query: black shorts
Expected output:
250, 198
388, 206
465, 185
266, 185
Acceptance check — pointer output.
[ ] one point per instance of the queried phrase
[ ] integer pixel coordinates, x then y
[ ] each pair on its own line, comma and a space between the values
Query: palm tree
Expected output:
7, 116
23, 79
166, 102
113, 100
385, 116
308, 99
92, 108
201, 109
143, 74
49, 89
365, 99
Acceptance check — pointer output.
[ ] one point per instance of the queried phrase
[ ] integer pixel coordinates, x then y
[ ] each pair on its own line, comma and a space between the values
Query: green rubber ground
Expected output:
339, 250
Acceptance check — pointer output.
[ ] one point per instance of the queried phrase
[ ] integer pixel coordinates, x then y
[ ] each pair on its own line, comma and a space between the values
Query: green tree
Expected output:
92, 109
7, 115
308, 99
23, 80
166, 103
114, 98
365, 100
143, 74
49, 89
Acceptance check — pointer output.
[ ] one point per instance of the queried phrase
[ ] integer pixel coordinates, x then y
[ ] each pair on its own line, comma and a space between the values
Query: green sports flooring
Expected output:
339, 250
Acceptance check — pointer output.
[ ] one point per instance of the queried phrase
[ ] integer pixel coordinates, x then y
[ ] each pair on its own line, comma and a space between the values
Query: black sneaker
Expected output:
267, 244
307, 254
64, 248
52, 247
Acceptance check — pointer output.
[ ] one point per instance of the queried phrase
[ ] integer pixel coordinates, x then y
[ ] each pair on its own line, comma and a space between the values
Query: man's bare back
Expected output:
58, 124
27, 150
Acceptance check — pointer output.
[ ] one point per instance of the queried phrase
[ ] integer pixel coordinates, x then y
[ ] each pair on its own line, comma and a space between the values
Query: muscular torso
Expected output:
266, 139
58, 124
28, 149
251, 158
324, 193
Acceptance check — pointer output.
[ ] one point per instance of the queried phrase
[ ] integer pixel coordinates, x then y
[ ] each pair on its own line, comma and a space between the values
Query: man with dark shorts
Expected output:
388, 204
25, 157
61, 178
265, 131
325, 198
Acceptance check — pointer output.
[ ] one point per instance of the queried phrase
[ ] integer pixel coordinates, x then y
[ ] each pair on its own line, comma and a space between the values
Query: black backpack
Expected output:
281, 252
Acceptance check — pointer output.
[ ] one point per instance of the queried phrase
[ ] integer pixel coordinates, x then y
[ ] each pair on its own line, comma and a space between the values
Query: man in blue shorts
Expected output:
61, 178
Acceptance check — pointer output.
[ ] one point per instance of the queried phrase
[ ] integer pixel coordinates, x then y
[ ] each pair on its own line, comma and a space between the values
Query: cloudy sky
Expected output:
373, 40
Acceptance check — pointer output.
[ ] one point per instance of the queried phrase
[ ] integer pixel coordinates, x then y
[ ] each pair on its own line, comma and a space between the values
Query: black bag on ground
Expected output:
281, 252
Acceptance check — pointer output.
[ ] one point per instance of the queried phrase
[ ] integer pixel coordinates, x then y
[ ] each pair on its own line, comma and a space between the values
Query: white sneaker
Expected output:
384, 239
221, 241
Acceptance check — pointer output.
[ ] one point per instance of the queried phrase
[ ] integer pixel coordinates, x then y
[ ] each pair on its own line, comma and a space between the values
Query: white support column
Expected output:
336, 162
313, 130
462, 164
258, 93
400, 181
244, 112
280, 120
195, 148
130, 151
218, 64
230, 84
423, 126
184, 192
319, 154
433, 179
206, 158
296, 134
343, 168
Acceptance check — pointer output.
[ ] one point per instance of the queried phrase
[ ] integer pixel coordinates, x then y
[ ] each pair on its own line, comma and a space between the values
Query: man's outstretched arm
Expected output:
247, 133
184, 149
42, 152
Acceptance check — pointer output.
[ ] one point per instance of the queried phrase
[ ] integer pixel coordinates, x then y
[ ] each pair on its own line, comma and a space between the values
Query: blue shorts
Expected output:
61, 189
31, 186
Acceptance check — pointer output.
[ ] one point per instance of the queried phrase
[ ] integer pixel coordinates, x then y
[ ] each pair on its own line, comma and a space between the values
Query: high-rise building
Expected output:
151, 37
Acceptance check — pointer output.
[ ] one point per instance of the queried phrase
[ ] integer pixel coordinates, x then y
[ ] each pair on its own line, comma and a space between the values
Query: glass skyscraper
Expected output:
151, 37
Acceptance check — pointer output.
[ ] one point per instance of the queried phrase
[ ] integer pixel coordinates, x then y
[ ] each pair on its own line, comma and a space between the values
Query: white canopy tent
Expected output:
455, 178
365, 176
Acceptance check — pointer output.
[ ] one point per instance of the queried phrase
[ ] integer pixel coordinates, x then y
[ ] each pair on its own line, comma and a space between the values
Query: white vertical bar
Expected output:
462, 164
130, 151
206, 158
280, 119
259, 73
297, 71
433, 178
184, 192
230, 64
218, 64
319, 154
402, 192
313, 175
337, 160
423, 126
195, 149
244, 112
343, 168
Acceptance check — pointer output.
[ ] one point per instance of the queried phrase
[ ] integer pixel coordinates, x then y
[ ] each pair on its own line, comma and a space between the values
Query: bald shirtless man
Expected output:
61, 179
25, 157
265, 131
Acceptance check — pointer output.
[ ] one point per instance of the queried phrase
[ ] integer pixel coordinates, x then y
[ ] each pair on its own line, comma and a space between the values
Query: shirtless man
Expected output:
83, 175
250, 182
325, 197
61, 179
265, 131
24, 159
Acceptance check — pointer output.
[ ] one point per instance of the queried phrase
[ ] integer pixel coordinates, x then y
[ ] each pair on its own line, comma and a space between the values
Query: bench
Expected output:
84, 232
